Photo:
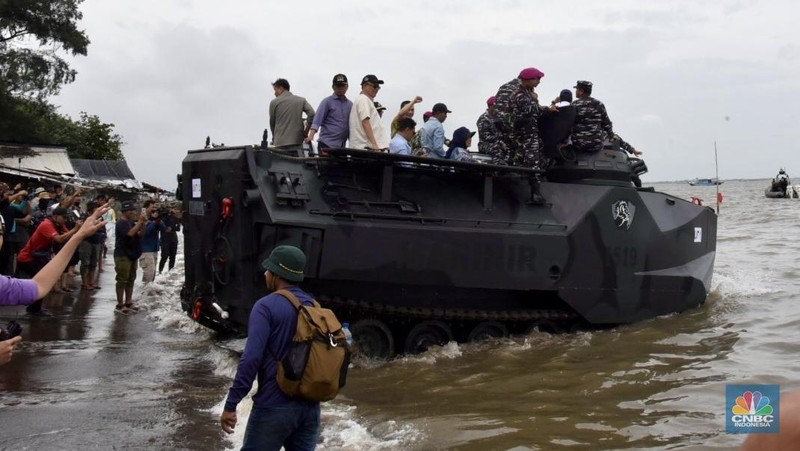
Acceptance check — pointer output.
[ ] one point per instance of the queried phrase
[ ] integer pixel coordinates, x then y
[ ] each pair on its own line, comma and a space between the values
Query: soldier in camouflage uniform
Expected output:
625, 146
488, 133
518, 110
631, 150
592, 125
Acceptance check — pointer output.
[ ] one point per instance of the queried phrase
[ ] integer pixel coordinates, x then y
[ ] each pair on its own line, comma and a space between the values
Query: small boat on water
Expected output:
781, 188
706, 182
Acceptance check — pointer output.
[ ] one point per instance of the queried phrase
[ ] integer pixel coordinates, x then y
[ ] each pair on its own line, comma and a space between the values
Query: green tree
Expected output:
88, 138
38, 71
34, 121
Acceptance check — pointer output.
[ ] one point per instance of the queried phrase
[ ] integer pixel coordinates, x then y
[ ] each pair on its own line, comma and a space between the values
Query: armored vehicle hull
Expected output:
416, 251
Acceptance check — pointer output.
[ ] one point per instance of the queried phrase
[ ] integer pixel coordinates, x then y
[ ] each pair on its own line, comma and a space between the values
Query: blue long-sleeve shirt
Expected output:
150, 238
273, 322
333, 116
433, 138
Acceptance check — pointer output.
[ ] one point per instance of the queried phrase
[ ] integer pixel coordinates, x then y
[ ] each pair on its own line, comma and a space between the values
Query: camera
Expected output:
12, 330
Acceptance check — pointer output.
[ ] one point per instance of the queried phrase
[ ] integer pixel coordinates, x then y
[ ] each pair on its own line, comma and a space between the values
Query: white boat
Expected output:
706, 182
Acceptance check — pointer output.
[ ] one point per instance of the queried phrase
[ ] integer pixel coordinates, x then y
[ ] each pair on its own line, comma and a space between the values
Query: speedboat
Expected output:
706, 182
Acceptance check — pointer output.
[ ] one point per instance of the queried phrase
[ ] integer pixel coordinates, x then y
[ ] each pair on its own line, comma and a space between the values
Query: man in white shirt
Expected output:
366, 129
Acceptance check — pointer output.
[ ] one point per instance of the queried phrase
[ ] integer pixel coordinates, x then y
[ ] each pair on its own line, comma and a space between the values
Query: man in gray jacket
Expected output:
286, 116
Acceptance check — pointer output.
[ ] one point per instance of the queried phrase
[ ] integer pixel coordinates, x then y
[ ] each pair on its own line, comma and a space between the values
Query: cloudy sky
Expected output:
676, 76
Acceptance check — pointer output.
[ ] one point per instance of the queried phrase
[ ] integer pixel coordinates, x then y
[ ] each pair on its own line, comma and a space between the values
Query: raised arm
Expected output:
49, 275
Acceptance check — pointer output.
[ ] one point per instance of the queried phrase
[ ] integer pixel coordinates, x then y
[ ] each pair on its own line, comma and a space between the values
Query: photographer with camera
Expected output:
89, 253
150, 242
169, 238
20, 291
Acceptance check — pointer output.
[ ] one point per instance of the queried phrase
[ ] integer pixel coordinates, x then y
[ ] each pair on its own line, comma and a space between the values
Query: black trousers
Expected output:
168, 251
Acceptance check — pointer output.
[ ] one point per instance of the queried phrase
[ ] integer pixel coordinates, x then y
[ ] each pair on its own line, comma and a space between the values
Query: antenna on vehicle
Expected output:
716, 168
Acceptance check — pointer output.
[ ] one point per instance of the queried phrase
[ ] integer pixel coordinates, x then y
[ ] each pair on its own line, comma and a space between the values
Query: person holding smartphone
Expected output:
23, 291
128, 235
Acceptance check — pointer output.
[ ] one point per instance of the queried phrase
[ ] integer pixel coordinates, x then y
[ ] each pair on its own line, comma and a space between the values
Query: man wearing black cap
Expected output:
592, 125
366, 129
276, 419
286, 116
433, 132
564, 99
333, 117
39, 250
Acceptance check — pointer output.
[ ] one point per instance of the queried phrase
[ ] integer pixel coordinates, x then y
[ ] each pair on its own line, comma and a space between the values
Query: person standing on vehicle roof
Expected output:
366, 129
333, 117
433, 140
276, 419
592, 125
488, 134
406, 111
518, 111
286, 116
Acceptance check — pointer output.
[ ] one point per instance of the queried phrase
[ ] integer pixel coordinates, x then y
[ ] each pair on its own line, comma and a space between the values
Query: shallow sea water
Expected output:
89, 379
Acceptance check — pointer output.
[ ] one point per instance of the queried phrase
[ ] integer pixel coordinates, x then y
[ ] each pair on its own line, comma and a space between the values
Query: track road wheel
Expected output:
486, 330
373, 339
427, 334
543, 325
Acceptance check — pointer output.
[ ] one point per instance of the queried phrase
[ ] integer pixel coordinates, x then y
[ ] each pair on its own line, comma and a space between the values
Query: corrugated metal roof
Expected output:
39, 158
102, 169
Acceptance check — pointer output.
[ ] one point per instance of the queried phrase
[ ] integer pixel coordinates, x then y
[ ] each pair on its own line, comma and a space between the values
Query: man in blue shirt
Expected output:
401, 143
276, 419
333, 116
150, 244
433, 132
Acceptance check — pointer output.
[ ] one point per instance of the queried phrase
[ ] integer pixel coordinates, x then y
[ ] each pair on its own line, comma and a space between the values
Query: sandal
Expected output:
131, 306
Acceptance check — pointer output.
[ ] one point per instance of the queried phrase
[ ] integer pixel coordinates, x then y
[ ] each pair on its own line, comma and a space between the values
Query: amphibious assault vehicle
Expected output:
418, 251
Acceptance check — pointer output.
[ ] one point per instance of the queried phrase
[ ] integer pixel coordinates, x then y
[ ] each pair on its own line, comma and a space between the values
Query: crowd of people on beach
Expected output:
51, 238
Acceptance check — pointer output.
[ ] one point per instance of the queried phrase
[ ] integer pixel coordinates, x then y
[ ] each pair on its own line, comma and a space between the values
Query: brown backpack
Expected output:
316, 366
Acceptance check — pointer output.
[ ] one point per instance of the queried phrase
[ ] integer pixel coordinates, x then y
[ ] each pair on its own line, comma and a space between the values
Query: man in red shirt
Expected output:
39, 250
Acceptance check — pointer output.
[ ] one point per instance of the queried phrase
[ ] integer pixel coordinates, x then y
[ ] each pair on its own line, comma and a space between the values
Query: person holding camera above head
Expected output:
169, 239
21, 291
39, 250
89, 253
13, 205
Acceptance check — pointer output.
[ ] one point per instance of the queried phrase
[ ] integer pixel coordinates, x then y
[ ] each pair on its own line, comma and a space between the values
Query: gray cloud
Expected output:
675, 76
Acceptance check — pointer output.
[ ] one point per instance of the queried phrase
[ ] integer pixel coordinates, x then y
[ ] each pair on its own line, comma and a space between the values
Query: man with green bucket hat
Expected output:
276, 419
